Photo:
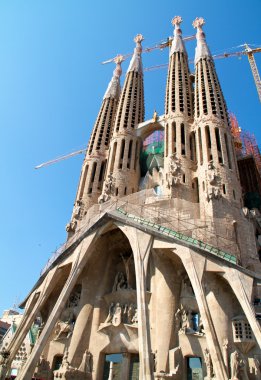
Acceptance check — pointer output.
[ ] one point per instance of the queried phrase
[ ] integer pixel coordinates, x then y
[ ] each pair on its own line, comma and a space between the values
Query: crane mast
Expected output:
254, 69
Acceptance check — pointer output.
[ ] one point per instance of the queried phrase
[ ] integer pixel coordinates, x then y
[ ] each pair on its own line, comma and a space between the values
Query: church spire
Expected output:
202, 50
215, 151
178, 117
94, 165
179, 89
123, 163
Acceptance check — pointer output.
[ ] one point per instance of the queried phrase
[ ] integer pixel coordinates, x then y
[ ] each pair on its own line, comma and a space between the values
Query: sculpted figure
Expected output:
174, 174
86, 364
135, 317
64, 329
71, 227
131, 313
111, 312
108, 189
116, 320
234, 363
209, 364
257, 368
119, 282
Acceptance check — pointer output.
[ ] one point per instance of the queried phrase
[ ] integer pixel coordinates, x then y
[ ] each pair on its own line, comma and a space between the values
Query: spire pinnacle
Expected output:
177, 43
114, 89
202, 50
136, 63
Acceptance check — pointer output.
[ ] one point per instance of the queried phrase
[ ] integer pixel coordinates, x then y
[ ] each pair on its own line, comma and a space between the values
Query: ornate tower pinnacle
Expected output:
136, 63
113, 89
202, 50
177, 43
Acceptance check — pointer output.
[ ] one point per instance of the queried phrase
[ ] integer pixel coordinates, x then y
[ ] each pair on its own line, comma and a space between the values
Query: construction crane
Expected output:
247, 51
158, 46
162, 45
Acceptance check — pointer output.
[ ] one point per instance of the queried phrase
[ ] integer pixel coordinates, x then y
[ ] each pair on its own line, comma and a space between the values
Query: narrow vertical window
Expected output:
167, 140
174, 149
200, 147
121, 154
220, 158
228, 152
129, 154
183, 140
208, 143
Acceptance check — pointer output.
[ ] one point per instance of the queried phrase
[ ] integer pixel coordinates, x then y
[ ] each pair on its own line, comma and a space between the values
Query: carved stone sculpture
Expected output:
116, 320
108, 189
208, 363
86, 364
64, 328
238, 367
213, 190
110, 314
119, 282
174, 174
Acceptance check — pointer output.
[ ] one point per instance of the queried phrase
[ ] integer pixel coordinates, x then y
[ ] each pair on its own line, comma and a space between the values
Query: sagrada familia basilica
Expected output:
160, 276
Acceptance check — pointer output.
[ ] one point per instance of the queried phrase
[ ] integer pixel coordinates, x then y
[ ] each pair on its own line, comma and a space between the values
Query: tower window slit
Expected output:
167, 140
208, 143
174, 137
220, 158
200, 147
129, 154
93, 171
228, 152
121, 153
182, 136
135, 155
102, 169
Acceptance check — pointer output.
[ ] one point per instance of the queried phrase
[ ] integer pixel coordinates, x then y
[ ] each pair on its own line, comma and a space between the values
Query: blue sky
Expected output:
51, 86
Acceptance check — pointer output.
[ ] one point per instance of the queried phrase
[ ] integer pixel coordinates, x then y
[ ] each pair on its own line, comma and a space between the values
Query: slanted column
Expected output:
82, 254
194, 265
242, 286
141, 244
34, 304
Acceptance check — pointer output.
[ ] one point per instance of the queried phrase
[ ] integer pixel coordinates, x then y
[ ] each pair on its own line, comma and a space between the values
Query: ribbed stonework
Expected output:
123, 162
215, 151
94, 165
179, 141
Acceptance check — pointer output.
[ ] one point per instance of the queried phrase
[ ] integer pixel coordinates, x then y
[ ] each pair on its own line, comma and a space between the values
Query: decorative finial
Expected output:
118, 59
177, 20
198, 22
139, 38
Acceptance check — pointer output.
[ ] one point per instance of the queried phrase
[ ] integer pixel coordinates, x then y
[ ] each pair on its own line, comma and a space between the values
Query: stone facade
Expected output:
160, 276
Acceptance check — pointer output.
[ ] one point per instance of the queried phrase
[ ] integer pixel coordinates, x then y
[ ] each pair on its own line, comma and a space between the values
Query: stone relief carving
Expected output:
86, 364
213, 186
209, 365
184, 322
71, 226
108, 189
76, 215
74, 299
64, 326
238, 366
120, 282
122, 314
174, 173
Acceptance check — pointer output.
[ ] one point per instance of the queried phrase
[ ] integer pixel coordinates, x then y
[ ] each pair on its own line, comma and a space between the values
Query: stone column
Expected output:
194, 265
82, 252
242, 286
141, 246
34, 304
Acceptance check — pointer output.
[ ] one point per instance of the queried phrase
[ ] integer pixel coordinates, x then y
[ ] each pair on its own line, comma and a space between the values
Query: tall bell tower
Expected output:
123, 161
95, 162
